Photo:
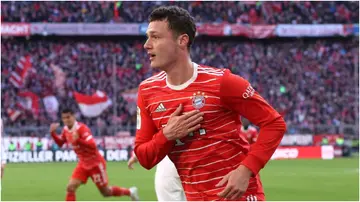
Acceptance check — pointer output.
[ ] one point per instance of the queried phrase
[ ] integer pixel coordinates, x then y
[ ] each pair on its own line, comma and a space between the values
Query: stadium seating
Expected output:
307, 12
309, 81
296, 77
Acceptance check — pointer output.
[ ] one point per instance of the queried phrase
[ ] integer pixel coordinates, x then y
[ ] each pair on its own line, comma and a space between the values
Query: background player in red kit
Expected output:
91, 163
191, 113
248, 131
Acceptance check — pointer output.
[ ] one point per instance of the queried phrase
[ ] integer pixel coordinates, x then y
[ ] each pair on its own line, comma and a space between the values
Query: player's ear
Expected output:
183, 40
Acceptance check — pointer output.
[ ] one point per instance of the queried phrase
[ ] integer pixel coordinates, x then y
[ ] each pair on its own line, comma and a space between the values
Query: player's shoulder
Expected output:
159, 77
210, 71
81, 126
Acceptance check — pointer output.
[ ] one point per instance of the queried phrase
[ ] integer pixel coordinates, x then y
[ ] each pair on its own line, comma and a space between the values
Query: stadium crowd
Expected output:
291, 12
308, 81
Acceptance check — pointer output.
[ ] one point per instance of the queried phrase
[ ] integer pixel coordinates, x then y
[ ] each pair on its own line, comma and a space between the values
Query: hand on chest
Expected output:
161, 108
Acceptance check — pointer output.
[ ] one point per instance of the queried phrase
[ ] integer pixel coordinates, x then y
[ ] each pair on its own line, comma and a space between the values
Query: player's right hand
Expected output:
179, 125
131, 162
54, 126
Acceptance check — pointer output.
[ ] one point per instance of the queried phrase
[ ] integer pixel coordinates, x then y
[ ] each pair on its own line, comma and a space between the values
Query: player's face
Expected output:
162, 46
68, 119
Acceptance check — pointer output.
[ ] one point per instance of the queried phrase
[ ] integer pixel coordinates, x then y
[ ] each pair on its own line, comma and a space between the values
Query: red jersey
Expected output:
204, 157
84, 147
250, 134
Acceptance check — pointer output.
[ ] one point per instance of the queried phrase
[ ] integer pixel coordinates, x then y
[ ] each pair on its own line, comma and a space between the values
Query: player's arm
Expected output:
59, 139
151, 146
85, 138
248, 103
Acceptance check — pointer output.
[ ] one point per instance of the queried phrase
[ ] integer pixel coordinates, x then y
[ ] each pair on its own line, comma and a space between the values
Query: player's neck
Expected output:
70, 126
180, 72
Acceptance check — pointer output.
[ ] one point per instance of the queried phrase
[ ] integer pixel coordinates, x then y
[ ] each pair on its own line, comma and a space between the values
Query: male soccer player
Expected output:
167, 180
191, 112
247, 131
91, 163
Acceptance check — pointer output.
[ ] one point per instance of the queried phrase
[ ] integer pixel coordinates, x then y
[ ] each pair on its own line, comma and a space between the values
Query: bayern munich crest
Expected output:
198, 100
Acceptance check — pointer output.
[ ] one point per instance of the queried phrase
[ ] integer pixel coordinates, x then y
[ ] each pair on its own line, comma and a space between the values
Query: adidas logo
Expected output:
160, 108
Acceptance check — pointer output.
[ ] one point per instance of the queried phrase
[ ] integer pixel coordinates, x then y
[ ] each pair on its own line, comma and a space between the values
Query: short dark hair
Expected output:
179, 19
67, 110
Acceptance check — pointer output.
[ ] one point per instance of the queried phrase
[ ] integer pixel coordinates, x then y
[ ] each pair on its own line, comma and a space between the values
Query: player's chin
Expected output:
155, 65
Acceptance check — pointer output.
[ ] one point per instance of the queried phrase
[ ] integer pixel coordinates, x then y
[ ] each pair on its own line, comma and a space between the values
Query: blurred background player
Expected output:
167, 180
248, 131
91, 163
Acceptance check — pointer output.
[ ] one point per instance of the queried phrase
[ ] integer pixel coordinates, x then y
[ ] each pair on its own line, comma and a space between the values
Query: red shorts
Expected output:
98, 174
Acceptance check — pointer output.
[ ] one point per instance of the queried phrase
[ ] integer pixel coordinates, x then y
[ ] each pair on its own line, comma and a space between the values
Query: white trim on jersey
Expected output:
155, 77
153, 80
209, 156
203, 181
214, 162
187, 83
74, 128
211, 73
207, 81
199, 148
154, 87
214, 171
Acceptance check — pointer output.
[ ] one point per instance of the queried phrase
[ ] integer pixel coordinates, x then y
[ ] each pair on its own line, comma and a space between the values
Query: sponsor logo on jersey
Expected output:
248, 92
160, 108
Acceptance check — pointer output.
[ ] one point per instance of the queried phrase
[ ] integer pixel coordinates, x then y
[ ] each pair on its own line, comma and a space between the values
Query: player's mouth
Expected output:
152, 56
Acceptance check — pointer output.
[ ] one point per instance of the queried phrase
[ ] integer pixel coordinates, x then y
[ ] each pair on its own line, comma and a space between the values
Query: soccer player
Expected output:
190, 113
248, 131
167, 181
91, 163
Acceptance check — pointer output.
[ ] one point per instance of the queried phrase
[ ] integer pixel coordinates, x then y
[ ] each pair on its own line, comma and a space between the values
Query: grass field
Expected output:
330, 180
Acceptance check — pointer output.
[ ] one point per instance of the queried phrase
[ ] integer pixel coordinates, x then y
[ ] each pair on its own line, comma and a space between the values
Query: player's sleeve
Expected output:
238, 95
85, 138
59, 140
151, 146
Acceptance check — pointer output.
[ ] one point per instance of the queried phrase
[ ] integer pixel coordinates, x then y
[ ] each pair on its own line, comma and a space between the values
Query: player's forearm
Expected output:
87, 143
59, 141
151, 152
269, 138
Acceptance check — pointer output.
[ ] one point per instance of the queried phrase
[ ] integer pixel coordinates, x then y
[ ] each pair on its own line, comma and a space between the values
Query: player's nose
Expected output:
147, 45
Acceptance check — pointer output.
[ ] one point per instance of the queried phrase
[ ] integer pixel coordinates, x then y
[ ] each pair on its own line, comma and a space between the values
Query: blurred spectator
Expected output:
39, 145
12, 146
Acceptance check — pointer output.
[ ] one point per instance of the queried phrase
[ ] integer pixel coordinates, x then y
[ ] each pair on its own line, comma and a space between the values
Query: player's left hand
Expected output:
237, 183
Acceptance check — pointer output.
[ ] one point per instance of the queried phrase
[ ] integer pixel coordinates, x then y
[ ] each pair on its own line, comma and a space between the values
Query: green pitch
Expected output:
299, 180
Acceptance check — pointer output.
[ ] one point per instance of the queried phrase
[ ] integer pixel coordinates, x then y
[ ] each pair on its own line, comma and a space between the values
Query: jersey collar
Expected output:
187, 83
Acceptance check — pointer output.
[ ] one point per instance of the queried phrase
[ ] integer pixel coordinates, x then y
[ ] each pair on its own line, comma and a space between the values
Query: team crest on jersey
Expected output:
198, 100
